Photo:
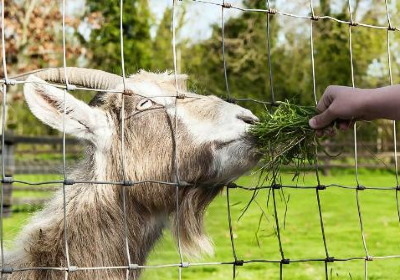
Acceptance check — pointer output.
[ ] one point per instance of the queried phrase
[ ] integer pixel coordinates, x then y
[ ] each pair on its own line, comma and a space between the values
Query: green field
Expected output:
301, 234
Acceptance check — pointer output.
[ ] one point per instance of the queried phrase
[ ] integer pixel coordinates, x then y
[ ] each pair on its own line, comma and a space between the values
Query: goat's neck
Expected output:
108, 217
95, 225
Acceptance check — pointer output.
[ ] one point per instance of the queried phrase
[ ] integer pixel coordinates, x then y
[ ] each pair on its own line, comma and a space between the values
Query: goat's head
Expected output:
212, 143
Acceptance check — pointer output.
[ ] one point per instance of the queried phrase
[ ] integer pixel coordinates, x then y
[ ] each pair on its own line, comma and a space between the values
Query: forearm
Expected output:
344, 105
382, 103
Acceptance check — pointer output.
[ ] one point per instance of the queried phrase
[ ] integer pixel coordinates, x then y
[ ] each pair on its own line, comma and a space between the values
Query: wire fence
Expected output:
236, 261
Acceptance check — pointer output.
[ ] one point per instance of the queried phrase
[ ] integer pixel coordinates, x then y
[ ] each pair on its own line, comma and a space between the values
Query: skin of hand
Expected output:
345, 105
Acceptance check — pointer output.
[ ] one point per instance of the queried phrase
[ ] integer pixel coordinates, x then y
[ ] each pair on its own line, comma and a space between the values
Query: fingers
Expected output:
326, 99
319, 133
322, 120
344, 124
325, 118
331, 109
328, 131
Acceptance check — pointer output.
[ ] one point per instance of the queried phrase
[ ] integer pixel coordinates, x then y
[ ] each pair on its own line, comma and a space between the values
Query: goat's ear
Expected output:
47, 104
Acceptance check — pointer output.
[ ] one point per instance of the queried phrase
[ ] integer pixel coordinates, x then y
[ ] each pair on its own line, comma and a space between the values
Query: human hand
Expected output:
340, 105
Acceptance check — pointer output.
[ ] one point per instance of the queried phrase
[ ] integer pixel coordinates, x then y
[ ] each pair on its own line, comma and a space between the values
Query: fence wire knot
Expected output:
330, 259
285, 261
10, 82
184, 184
230, 99
314, 17
7, 270
70, 87
239, 262
184, 264
321, 187
391, 27
226, 5
180, 95
7, 180
272, 11
274, 104
128, 92
69, 182
128, 183
360, 188
353, 23
133, 266
276, 186
369, 258
72, 269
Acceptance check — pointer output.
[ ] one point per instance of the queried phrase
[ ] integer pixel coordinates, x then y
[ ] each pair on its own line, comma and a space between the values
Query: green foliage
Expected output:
104, 41
247, 56
162, 49
332, 55
163, 59
285, 137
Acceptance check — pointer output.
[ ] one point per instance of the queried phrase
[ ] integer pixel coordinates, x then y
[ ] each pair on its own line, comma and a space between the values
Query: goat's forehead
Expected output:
161, 93
150, 90
146, 89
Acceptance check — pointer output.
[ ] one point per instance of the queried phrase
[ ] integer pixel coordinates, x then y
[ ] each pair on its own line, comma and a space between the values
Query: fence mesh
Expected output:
236, 261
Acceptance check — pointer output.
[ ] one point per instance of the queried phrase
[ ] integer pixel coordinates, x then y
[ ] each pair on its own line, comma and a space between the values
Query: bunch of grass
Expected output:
285, 138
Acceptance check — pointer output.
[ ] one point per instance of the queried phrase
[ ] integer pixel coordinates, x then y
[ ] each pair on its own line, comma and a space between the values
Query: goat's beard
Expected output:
188, 223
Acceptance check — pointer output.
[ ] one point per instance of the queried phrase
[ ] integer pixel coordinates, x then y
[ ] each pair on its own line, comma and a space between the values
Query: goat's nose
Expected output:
249, 119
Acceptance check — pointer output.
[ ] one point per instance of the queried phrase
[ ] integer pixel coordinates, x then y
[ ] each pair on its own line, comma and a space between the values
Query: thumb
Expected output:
322, 120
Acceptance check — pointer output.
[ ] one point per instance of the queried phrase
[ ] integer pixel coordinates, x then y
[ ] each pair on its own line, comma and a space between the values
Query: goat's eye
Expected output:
144, 104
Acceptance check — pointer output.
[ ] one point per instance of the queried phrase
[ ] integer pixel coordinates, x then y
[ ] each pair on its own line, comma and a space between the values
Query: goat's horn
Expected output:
89, 78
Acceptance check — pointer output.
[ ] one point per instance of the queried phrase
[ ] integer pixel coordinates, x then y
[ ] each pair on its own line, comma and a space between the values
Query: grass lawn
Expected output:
301, 234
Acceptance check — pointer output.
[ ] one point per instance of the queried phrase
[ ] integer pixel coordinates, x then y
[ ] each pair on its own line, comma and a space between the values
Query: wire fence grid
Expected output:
313, 19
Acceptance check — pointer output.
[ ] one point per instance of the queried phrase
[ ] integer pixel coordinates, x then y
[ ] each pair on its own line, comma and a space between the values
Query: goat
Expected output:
213, 149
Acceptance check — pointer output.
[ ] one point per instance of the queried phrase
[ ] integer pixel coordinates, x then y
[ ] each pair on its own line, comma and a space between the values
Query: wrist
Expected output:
368, 105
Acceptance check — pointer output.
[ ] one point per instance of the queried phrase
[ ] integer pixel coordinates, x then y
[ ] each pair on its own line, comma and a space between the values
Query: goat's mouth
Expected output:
247, 140
233, 158
245, 147
224, 144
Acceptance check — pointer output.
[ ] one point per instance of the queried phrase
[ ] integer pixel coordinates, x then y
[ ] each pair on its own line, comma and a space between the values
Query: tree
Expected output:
162, 47
104, 39
163, 58
33, 38
33, 35
247, 56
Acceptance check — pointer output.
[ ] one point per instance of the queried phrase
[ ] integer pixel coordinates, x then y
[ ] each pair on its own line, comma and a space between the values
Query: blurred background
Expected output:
34, 40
